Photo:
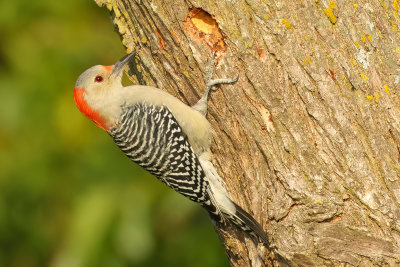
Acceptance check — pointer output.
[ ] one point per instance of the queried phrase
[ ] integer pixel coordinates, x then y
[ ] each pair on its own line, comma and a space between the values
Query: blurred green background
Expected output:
68, 196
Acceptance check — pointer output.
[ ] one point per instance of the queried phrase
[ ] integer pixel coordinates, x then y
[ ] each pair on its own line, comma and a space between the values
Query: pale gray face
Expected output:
95, 79
94, 92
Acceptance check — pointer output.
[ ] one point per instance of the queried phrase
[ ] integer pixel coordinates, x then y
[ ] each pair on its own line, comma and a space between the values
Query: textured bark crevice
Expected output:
307, 139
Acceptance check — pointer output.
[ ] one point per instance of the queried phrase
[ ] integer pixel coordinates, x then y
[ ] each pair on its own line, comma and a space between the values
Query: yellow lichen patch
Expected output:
386, 89
248, 44
365, 37
109, 6
116, 11
144, 40
398, 49
318, 201
364, 77
267, 16
124, 42
370, 97
356, 44
377, 96
139, 68
396, 8
329, 13
353, 62
356, 6
332, 4
286, 23
307, 60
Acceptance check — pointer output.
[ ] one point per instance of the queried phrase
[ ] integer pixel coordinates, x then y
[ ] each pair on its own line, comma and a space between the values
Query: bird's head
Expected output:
93, 87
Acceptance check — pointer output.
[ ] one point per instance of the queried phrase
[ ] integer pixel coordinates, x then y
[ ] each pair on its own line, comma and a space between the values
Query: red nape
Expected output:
108, 68
88, 111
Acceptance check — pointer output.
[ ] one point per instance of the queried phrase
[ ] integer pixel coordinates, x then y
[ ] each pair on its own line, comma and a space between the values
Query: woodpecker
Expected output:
164, 136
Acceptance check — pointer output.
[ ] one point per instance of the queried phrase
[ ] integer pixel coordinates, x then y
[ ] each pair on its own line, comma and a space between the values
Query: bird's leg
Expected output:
201, 105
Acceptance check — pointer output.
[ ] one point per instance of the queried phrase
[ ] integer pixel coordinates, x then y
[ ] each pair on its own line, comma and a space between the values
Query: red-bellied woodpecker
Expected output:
163, 135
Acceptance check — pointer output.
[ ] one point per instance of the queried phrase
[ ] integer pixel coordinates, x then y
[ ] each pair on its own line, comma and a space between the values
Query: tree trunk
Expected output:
307, 139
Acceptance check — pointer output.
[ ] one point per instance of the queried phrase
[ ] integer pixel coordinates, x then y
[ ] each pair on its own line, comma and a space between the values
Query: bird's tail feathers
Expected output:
247, 223
221, 208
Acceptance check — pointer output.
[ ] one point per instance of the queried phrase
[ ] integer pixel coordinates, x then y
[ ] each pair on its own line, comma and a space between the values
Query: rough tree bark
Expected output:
308, 139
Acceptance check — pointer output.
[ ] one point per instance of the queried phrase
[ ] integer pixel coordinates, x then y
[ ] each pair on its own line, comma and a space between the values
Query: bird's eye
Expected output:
98, 79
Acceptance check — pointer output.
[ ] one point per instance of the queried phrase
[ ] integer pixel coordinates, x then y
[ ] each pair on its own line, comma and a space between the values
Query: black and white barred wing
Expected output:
150, 136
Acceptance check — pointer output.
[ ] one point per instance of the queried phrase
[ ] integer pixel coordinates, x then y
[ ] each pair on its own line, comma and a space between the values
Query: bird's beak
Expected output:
119, 66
